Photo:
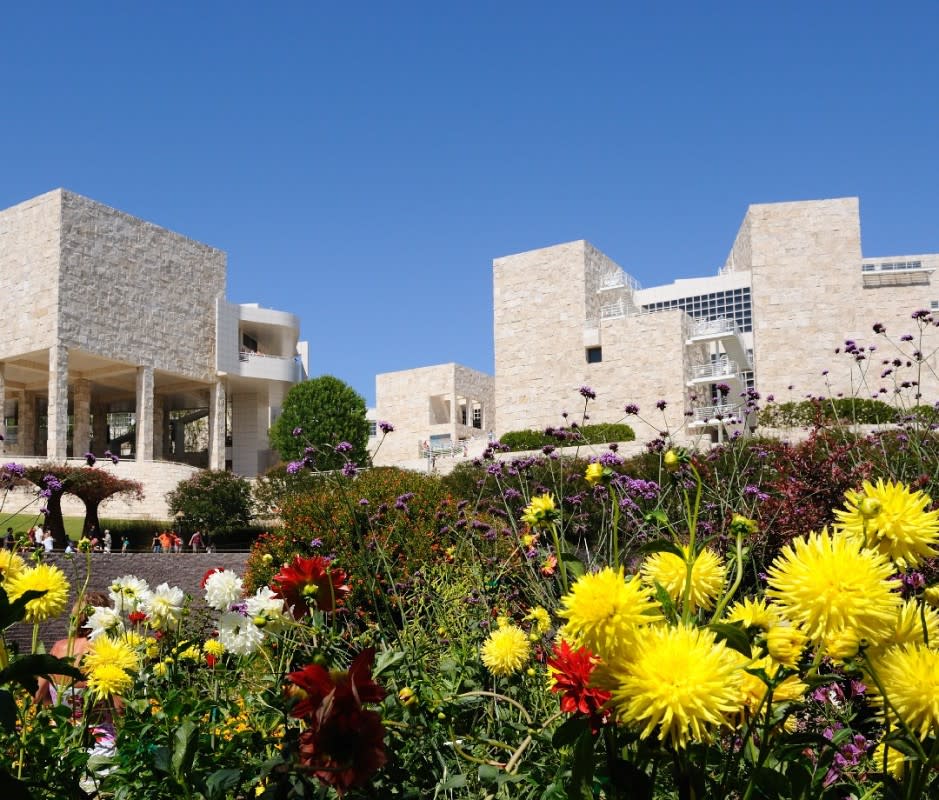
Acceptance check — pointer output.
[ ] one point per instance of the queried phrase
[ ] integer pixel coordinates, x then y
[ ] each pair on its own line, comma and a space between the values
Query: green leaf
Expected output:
661, 546
569, 732
580, 786
575, 567
185, 743
772, 784
387, 659
26, 669
15, 611
220, 782
488, 773
733, 635
453, 782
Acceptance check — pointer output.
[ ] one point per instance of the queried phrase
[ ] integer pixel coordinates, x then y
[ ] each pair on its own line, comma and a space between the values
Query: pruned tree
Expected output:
317, 415
91, 486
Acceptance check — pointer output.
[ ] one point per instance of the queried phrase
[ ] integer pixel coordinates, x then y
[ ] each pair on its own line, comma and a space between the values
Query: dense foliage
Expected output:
318, 415
213, 501
567, 436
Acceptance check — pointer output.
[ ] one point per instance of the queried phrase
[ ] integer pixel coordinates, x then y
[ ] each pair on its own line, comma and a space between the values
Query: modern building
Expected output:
794, 288
439, 411
115, 335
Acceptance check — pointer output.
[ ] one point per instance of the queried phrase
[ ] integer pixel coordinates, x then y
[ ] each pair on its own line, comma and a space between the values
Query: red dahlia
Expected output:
308, 583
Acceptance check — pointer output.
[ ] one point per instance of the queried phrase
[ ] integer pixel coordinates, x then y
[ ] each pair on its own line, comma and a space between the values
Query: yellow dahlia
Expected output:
540, 511
931, 596
895, 761
785, 644
909, 675
891, 519
11, 565
909, 626
214, 647
41, 578
681, 685
540, 620
753, 688
106, 680
827, 582
671, 572
752, 613
604, 612
116, 652
506, 650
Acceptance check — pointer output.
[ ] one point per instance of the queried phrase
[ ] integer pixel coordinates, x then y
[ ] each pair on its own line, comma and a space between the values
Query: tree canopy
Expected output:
318, 415
91, 486
213, 501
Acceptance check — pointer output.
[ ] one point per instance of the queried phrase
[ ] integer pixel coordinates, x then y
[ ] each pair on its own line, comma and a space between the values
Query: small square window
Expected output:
594, 355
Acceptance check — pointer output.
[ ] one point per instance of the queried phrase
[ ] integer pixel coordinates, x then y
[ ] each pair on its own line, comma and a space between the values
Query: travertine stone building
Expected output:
115, 335
436, 410
794, 288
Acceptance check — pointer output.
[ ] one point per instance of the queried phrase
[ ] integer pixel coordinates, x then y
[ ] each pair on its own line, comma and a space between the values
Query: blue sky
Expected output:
363, 163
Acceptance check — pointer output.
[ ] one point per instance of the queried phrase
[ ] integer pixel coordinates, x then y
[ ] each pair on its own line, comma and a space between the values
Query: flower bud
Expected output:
869, 507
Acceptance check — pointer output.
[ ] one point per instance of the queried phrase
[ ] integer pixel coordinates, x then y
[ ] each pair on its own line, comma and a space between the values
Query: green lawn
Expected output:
23, 522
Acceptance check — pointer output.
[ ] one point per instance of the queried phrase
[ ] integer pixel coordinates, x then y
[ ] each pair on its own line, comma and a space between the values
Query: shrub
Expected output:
584, 434
850, 410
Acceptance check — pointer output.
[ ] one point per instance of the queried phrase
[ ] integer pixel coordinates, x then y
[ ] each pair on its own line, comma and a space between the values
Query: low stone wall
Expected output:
184, 570
157, 477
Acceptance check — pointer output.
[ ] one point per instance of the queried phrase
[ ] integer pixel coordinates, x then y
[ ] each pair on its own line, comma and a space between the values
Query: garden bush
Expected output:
567, 436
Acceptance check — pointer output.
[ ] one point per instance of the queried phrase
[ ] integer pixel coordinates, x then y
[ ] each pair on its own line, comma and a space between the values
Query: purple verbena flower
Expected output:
588, 393
385, 427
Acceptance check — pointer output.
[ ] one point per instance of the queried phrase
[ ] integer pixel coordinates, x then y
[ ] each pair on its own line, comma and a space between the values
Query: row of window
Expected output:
729, 304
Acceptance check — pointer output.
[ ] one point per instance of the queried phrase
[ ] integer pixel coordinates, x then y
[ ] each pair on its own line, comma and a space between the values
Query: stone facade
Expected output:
437, 411
104, 315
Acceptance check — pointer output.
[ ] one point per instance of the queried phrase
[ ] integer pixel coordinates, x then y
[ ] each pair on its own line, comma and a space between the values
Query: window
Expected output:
372, 427
249, 343
594, 355
477, 416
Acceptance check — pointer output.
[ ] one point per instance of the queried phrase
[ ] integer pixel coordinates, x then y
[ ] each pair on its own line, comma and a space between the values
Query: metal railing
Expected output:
614, 280
708, 327
723, 368
723, 412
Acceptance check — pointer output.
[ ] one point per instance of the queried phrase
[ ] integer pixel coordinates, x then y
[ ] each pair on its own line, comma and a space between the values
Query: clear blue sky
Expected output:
363, 163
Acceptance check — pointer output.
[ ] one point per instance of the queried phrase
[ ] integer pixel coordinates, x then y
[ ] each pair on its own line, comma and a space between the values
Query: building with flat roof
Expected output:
440, 411
794, 288
115, 335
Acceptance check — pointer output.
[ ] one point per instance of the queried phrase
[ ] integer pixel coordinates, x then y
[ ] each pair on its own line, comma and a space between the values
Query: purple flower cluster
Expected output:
385, 427
343, 447
587, 393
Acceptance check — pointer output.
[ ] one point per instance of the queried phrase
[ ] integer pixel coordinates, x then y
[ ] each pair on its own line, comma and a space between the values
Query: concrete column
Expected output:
81, 412
144, 445
159, 413
3, 407
217, 426
27, 424
99, 428
57, 430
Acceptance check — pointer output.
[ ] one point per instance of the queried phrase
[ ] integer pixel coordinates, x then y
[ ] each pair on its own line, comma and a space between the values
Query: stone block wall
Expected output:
405, 398
30, 236
132, 291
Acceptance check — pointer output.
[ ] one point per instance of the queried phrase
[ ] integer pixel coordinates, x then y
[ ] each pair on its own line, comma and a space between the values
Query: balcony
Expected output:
724, 368
711, 328
895, 273
714, 415
270, 368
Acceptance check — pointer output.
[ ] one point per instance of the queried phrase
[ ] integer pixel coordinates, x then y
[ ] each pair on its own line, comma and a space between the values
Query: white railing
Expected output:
614, 280
719, 369
725, 412
708, 327
611, 310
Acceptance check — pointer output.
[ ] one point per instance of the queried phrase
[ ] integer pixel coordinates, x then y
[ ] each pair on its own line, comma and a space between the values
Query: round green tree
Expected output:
316, 416
213, 501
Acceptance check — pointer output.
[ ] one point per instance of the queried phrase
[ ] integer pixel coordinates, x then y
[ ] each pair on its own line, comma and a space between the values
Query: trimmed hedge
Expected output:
854, 410
564, 437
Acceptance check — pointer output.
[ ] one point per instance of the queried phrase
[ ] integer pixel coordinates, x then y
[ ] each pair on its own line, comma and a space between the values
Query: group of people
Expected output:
39, 539
170, 542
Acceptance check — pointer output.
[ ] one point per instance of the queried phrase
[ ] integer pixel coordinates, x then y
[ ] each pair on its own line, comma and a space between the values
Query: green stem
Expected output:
562, 567
736, 584
615, 532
